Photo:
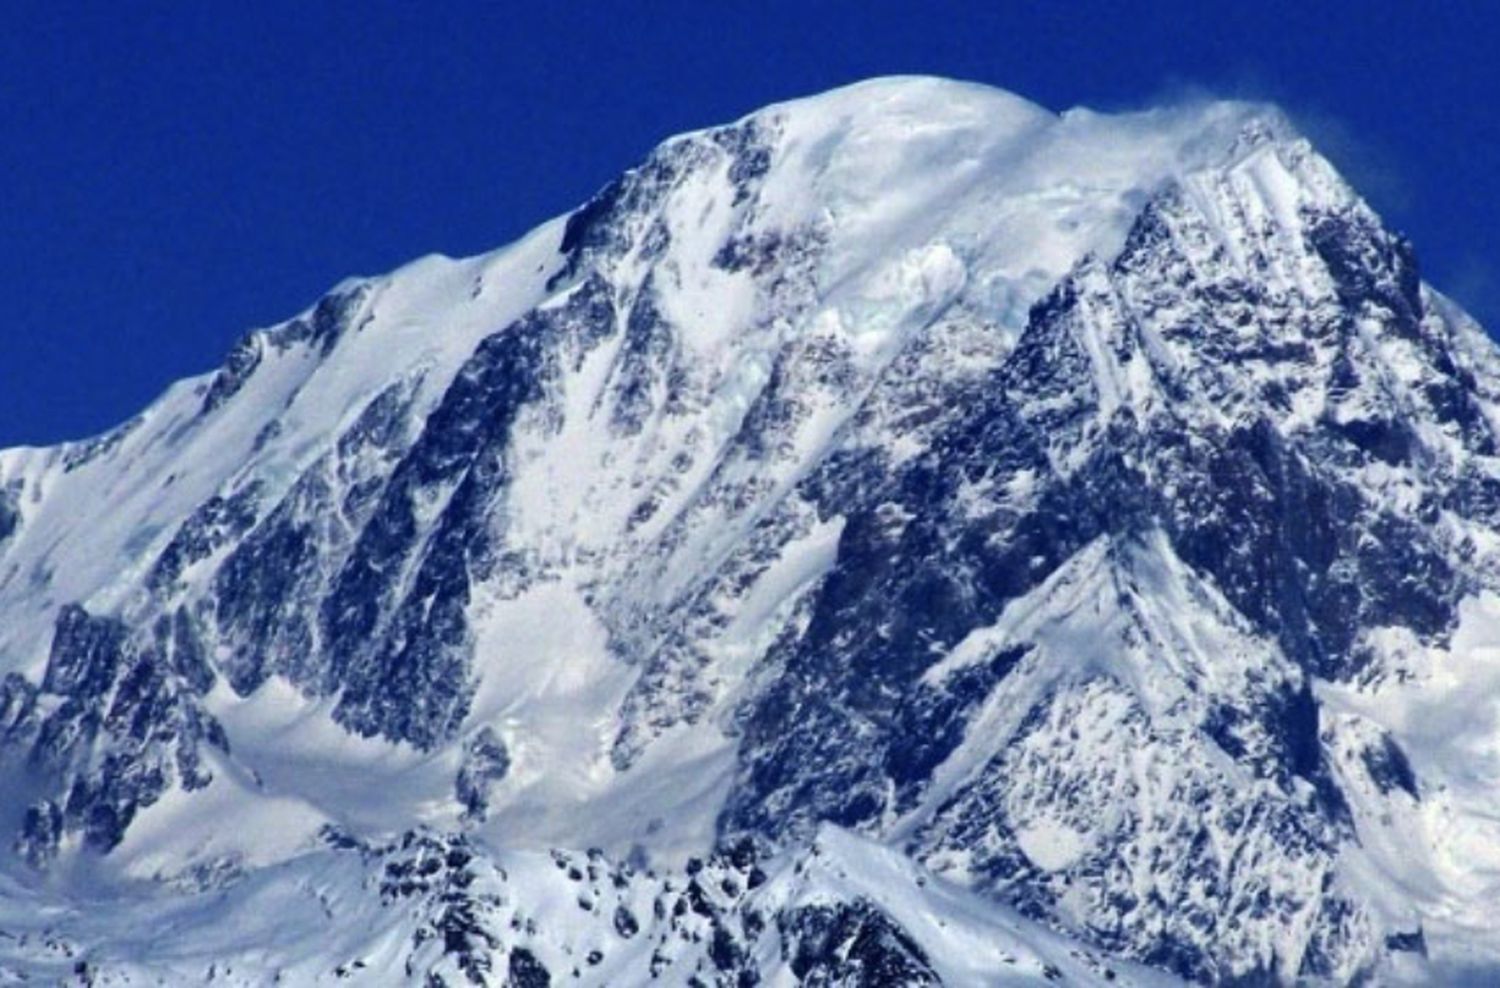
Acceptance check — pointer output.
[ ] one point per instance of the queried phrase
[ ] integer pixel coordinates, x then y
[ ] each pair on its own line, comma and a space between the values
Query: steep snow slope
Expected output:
1094, 508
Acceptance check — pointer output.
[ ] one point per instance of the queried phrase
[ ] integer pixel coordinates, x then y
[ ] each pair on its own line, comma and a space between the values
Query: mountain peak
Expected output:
910, 102
1000, 486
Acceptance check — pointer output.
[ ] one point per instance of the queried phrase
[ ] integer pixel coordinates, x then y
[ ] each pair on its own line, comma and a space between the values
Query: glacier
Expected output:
1037, 546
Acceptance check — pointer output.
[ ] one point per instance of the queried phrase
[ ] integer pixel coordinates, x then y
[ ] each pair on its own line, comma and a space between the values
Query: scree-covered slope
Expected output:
1037, 547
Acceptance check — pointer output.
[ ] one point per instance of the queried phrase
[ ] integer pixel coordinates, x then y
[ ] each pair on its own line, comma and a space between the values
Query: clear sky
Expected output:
172, 174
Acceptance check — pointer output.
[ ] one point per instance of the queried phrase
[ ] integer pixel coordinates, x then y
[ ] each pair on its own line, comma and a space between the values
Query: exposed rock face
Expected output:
485, 762
1079, 505
124, 724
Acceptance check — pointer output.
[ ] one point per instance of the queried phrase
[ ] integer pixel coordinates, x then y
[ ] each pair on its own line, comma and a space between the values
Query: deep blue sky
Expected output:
172, 174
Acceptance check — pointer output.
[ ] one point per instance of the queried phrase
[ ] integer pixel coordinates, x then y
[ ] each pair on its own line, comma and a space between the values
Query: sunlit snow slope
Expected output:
1097, 512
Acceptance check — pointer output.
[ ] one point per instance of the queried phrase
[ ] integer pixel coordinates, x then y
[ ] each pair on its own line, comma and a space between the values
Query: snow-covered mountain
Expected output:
1037, 547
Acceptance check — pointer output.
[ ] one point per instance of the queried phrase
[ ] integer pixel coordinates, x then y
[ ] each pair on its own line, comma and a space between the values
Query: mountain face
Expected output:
903, 537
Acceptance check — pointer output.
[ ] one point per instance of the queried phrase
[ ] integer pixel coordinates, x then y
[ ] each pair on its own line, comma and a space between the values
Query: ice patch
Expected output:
1051, 845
